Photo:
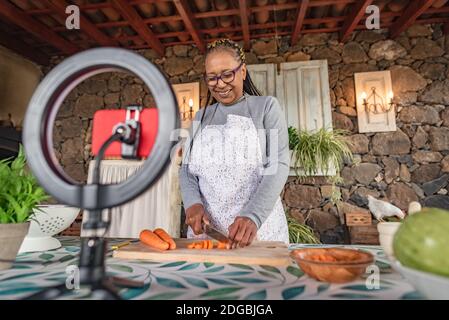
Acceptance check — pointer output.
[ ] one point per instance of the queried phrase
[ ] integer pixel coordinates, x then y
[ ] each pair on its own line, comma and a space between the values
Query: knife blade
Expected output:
215, 234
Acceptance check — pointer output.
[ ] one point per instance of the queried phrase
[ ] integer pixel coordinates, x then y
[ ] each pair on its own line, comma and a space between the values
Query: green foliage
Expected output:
19, 190
318, 151
300, 233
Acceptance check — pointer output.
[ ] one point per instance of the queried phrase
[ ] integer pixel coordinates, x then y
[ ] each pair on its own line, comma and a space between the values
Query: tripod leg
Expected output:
105, 291
120, 282
49, 293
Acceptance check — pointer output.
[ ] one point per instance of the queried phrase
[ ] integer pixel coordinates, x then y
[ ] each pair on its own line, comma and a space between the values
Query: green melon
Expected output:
422, 241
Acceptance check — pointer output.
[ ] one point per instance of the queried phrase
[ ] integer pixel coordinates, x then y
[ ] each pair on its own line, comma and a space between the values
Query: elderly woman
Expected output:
237, 160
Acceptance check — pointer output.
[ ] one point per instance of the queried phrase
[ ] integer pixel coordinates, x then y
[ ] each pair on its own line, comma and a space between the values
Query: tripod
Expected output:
37, 138
93, 248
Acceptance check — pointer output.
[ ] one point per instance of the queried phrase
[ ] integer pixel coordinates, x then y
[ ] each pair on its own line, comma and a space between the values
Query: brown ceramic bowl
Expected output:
335, 265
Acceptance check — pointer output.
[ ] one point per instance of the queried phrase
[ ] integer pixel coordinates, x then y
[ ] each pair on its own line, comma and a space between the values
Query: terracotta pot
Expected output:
11, 238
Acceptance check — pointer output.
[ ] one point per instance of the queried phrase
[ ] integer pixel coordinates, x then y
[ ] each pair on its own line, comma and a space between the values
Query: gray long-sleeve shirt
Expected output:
267, 114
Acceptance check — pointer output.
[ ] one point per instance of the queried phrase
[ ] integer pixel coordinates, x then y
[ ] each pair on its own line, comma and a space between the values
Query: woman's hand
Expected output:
195, 216
242, 231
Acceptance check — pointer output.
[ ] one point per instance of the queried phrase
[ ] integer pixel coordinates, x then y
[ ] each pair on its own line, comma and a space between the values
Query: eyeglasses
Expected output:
227, 77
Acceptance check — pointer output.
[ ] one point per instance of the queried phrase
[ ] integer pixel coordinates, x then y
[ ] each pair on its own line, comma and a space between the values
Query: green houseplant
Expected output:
19, 196
313, 153
300, 233
317, 151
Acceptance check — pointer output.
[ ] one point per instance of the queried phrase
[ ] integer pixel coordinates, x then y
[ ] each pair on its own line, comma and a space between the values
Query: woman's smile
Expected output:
223, 93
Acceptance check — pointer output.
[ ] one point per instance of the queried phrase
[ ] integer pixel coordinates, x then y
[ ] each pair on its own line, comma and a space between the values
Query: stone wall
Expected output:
407, 165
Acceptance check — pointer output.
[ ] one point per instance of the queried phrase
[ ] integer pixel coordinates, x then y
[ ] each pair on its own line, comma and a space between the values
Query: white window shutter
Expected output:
263, 77
302, 89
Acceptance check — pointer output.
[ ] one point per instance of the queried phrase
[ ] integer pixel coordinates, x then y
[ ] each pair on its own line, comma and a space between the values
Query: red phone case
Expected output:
105, 120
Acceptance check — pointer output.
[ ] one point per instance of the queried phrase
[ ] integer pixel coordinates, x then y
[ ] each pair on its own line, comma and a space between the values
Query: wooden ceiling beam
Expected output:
23, 49
59, 6
190, 23
302, 10
244, 24
413, 11
129, 13
12, 14
353, 19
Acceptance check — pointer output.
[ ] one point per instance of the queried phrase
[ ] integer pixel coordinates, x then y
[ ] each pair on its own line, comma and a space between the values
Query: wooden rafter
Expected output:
190, 23
10, 13
244, 22
130, 14
235, 12
302, 9
353, 19
23, 49
59, 7
413, 11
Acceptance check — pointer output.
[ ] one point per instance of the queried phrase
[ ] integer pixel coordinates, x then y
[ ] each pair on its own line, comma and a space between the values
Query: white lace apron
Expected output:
228, 162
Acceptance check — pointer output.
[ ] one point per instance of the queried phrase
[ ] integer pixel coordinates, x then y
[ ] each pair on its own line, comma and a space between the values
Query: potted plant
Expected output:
314, 152
300, 233
19, 196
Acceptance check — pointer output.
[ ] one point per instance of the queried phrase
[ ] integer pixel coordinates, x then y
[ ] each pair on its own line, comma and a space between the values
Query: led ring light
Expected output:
41, 114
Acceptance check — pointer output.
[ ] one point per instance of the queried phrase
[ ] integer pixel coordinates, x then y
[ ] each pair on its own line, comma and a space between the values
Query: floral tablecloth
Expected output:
184, 280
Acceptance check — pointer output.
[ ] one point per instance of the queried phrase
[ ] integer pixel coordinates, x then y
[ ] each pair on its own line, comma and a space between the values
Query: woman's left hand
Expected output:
242, 232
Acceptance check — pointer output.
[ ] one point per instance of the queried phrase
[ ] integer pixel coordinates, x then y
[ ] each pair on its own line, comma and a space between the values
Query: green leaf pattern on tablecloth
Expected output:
207, 280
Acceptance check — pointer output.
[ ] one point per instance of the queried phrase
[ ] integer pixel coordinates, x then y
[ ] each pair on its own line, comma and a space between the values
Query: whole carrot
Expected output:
166, 237
151, 239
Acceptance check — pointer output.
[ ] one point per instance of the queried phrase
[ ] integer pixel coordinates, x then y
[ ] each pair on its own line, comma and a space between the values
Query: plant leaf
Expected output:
196, 282
170, 283
173, 264
292, 292
295, 271
241, 266
189, 266
259, 295
221, 292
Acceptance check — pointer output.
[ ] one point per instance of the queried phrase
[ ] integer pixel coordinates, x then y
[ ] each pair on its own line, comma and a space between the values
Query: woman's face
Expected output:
223, 61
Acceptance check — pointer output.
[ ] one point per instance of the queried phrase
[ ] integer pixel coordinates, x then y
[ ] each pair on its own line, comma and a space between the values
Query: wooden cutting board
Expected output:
269, 253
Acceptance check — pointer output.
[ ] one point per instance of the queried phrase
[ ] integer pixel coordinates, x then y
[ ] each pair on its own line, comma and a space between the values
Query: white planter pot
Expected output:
387, 231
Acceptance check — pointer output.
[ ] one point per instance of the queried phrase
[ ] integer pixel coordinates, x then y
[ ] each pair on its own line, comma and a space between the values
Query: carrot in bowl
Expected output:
166, 237
153, 240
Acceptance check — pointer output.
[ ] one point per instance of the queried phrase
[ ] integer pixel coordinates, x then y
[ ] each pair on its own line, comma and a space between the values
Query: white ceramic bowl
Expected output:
432, 286
52, 220
387, 231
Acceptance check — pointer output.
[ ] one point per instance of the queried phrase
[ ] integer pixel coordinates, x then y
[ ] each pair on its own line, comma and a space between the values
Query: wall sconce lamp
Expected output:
374, 103
187, 114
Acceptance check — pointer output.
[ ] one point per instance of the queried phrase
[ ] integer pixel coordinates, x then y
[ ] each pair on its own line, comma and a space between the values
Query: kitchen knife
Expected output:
215, 234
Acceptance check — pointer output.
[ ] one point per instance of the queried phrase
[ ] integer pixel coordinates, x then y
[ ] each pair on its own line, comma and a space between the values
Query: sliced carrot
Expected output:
166, 237
151, 239
191, 245
221, 245
198, 246
211, 245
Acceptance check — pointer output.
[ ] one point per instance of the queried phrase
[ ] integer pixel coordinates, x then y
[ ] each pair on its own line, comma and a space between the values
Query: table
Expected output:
183, 280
